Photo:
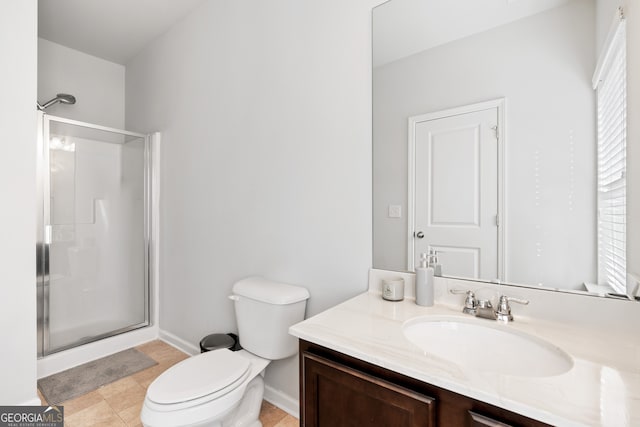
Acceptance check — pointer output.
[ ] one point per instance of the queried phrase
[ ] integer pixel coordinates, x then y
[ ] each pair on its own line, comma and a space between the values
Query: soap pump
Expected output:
424, 282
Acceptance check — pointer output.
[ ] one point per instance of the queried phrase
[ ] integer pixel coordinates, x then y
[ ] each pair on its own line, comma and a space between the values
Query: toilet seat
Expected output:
199, 379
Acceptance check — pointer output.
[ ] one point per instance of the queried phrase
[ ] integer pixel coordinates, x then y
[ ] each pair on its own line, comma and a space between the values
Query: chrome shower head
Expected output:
63, 98
66, 98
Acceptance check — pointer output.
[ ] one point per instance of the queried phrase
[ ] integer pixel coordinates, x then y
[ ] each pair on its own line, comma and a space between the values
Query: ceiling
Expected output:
405, 27
115, 30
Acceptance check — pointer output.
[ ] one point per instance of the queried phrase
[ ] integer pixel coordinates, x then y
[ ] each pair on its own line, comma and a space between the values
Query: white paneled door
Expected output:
456, 192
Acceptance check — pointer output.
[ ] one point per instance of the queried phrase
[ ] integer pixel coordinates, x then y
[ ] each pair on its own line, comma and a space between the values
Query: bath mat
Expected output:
82, 379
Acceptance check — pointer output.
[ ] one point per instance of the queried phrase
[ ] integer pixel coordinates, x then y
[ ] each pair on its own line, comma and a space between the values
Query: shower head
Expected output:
61, 97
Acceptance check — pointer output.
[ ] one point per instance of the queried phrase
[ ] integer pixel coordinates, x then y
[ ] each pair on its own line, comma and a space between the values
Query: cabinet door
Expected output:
335, 395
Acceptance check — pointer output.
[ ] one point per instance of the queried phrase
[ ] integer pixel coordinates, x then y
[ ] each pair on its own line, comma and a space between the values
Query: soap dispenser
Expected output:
424, 282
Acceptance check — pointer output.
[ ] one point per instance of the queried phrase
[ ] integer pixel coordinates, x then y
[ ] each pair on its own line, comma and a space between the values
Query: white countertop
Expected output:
601, 389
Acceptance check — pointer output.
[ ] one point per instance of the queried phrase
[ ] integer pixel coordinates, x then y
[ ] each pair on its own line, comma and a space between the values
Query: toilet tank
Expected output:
264, 312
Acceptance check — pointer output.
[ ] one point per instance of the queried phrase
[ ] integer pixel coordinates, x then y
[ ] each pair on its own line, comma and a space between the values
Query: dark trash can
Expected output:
218, 341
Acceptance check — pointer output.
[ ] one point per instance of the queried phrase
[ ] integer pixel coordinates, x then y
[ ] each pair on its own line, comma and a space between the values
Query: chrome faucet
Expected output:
503, 314
470, 302
484, 309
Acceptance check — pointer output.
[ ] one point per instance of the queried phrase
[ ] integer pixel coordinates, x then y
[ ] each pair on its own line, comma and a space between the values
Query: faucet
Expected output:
484, 309
470, 302
503, 314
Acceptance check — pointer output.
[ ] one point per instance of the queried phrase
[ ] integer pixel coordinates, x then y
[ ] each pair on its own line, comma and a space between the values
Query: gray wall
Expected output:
265, 110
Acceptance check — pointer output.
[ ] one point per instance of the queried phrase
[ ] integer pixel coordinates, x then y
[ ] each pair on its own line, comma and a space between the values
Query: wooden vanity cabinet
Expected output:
338, 390
336, 395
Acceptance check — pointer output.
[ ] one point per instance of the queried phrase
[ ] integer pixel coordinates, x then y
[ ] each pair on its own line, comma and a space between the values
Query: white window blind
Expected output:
610, 82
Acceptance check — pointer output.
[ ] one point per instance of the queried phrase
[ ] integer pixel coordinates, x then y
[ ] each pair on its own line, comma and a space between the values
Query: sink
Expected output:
489, 348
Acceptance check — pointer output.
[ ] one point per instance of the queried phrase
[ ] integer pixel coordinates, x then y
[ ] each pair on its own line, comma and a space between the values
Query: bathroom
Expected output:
266, 164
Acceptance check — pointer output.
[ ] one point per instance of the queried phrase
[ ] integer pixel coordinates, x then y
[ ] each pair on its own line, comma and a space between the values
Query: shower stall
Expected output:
93, 232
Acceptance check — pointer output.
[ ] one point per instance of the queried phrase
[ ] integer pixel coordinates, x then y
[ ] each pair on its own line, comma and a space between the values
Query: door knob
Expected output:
419, 234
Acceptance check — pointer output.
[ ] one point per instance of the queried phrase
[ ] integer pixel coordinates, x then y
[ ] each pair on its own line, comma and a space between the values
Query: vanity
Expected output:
361, 365
334, 381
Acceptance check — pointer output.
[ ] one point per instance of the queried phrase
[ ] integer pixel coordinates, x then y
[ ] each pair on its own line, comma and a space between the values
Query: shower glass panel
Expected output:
95, 233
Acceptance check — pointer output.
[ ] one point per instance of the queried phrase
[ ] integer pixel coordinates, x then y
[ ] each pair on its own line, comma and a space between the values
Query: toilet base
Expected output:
247, 414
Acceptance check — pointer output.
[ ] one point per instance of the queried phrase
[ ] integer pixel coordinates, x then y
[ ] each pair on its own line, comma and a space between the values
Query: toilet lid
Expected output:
198, 376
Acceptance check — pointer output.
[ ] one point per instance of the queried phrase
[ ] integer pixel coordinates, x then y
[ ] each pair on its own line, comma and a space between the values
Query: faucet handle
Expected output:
503, 312
470, 302
513, 299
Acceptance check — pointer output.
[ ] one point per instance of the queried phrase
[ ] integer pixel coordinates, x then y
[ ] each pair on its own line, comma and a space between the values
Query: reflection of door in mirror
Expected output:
454, 190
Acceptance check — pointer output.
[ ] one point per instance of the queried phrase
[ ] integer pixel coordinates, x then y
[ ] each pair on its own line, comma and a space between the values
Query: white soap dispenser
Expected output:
424, 283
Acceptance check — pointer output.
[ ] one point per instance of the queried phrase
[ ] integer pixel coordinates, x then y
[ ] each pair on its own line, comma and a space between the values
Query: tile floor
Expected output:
119, 403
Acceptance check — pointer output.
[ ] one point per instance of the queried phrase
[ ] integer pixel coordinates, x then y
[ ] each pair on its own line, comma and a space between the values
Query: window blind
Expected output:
611, 86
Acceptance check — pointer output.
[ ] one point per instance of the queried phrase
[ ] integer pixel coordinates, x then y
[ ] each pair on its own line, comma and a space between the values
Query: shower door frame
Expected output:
44, 234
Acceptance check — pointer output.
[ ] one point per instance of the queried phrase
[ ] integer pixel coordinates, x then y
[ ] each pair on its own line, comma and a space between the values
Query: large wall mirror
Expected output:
496, 144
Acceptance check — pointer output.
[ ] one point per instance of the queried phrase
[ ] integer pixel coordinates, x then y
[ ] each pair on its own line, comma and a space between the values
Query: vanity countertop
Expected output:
601, 389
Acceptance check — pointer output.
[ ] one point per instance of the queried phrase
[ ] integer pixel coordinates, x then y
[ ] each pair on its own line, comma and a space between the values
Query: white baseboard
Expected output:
282, 401
178, 343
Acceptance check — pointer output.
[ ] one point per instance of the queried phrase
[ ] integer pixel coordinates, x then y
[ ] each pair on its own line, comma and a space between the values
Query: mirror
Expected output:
453, 78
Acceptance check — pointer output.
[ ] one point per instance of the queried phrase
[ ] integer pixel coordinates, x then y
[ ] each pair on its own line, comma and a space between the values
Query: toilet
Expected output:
223, 388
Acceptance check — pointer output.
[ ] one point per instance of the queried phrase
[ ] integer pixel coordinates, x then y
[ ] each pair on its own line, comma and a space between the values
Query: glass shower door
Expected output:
95, 233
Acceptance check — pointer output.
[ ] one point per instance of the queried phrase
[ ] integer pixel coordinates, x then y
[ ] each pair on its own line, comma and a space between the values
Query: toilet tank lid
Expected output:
260, 289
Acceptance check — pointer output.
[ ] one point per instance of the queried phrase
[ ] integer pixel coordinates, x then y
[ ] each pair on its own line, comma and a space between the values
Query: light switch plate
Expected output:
395, 211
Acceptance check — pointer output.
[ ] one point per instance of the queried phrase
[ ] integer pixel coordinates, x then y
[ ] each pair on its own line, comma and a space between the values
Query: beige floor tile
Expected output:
146, 377
170, 361
99, 414
111, 422
131, 415
43, 401
288, 421
149, 347
164, 354
161, 352
124, 398
117, 387
81, 402
270, 415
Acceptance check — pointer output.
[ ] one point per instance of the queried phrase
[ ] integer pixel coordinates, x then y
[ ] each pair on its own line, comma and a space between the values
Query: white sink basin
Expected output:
490, 348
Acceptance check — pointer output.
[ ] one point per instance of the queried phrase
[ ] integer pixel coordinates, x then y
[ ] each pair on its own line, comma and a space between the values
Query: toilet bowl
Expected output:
207, 390
222, 388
